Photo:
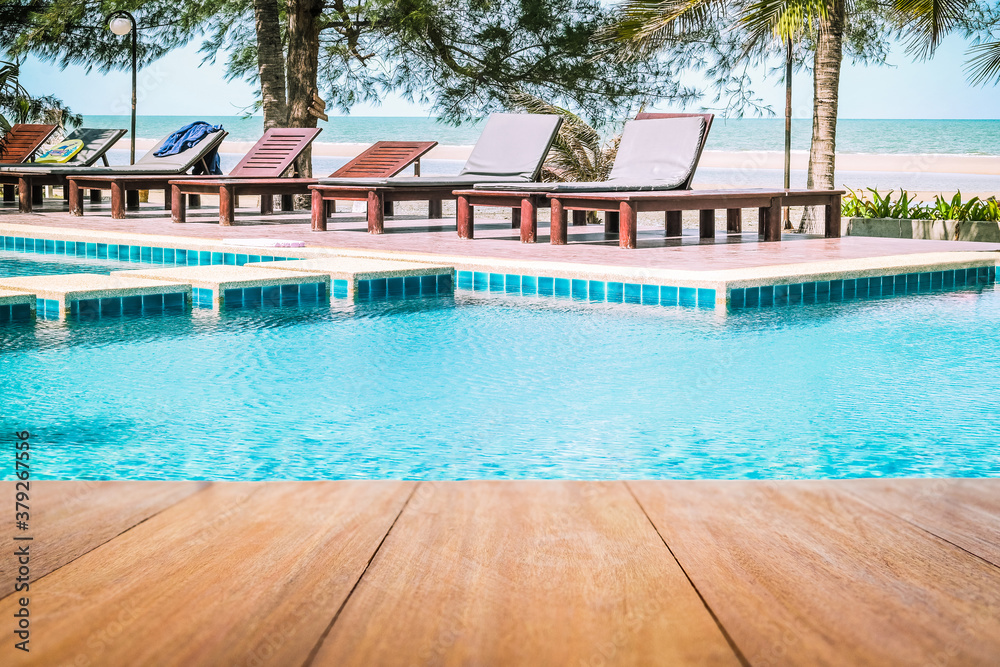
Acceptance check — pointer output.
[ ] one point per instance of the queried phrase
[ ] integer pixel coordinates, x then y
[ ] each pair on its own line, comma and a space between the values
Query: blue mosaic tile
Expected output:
152, 302
214, 258
9, 243
241, 259
428, 284
228, 258
580, 288
364, 289
253, 259
270, 295
668, 296
480, 281
202, 297
737, 297
808, 291
512, 283
444, 284
340, 289
145, 254
254, 296
836, 290
546, 286
132, 304
111, 307
464, 279
899, 284
706, 297
266, 258
596, 290
923, 282
50, 247
379, 287
752, 297
232, 298
633, 293
795, 291
393, 287
157, 255
496, 282
562, 287
687, 296
850, 288
134, 253
19, 244
766, 295
205, 258
651, 295
529, 285
180, 257
411, 285
615, 292
60, 247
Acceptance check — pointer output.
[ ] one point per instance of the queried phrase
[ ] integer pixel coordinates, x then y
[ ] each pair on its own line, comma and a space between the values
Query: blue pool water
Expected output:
483, 386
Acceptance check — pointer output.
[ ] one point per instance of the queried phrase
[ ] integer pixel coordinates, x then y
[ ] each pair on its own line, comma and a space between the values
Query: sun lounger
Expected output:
383, 159
657, 152
270, 157
22, 140
30, 177
511, 149
19, 145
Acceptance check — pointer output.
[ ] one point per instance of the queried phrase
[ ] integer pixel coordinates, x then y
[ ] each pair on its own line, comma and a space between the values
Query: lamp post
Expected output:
122, 23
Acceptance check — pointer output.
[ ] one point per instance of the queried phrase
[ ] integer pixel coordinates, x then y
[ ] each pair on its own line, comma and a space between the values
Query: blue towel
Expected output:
186, 137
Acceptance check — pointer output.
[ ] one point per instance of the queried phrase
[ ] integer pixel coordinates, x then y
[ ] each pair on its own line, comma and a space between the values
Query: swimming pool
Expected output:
488, 386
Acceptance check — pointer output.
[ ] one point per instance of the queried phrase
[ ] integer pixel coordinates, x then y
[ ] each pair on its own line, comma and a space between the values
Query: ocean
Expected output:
952, 137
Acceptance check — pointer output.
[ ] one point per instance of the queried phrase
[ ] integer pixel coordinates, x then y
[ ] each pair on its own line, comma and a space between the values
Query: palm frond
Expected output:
646, 26
984, 65
926, 22
782, 19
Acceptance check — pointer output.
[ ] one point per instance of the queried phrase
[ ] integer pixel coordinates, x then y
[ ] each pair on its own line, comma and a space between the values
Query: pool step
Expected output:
361, 277
89, 294
16, 306
224, 286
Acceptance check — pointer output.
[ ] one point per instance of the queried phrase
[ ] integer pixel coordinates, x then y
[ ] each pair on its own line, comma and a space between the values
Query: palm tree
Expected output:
653, 24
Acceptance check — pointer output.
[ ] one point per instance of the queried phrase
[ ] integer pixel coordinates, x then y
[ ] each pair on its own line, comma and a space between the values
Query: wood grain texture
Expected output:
800, 573
69, 519
240, 573
966, 512
523, 573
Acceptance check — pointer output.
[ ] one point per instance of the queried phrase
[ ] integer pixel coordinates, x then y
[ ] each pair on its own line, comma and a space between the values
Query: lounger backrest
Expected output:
512, 146
659, 150
275, 152
182, 161
708, 117
96, 143
22, 140
384, 159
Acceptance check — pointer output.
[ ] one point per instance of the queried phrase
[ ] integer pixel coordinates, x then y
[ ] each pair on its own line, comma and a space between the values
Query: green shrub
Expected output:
859, 205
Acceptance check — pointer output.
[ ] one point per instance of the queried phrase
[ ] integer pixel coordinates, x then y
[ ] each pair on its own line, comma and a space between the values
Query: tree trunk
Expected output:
303, 68
270, 63
826, 84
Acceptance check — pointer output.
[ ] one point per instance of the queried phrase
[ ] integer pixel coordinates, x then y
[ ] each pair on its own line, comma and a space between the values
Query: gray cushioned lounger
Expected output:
654, 154
511, 148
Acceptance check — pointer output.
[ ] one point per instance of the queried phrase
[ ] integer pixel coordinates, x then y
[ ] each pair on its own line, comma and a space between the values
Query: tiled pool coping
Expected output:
732, 288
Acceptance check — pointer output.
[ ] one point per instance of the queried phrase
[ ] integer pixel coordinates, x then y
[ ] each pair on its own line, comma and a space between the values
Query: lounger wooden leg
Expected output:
287, 204
37, 194
833, 218
132, 200
178, 213
318, 211
76, 198
611, 221
515, 218
8, 192
771, 220
387, 208
528, 214
734, 221
24, 192
117, 200
673, 223
579, 218
706, 224
434, 209
627, 225
267, 204
465, 218
557, 224
95, 196
376, 220
227, 199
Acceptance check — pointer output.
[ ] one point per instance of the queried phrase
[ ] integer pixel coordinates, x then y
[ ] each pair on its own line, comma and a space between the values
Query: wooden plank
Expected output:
274, 152
966, 512
22, 140
802, 573
519, 573
69, 519
240, 573
384, 159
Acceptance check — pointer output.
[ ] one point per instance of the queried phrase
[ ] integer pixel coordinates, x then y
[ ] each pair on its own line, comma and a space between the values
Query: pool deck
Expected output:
510, 573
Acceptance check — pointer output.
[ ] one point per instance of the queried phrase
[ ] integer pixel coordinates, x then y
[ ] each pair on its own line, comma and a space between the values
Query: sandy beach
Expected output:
935, 163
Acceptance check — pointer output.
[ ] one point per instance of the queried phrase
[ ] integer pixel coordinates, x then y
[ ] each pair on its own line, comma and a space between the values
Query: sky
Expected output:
179, 84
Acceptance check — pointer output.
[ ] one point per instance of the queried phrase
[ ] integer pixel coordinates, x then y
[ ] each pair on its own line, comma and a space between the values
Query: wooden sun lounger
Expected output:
31, 177
381, 160
19, 145
624, 208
